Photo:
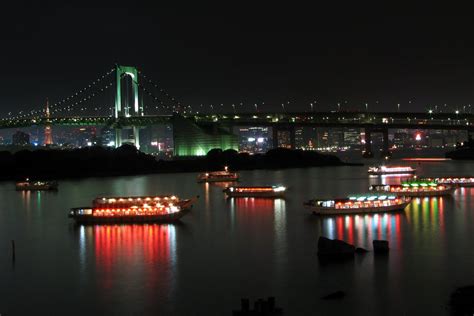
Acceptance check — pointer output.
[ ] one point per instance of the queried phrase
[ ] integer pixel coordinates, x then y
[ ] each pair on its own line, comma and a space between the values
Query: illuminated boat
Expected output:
275, 191
453, 181
381, 170
218, 176
28, 185
358, 204
415, 188
156, 209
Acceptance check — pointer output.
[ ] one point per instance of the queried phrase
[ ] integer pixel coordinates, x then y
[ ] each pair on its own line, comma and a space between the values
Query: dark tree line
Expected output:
127, 160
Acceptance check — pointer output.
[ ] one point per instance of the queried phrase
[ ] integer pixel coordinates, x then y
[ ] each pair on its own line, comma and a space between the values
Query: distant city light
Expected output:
154, 143
111, 143
418, 137
251, 139
260, 140
89, 143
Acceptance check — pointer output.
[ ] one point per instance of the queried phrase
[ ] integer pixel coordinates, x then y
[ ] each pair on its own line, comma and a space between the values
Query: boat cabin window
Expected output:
329, 203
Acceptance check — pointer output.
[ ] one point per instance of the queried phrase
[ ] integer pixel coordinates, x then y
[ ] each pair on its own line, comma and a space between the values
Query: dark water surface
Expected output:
228, 249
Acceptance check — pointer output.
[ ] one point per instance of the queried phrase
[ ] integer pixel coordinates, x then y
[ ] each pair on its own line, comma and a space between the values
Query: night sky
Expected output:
236, 52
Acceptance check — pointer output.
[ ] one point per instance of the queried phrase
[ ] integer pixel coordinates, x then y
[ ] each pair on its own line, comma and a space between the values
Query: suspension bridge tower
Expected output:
122, 105
48, 136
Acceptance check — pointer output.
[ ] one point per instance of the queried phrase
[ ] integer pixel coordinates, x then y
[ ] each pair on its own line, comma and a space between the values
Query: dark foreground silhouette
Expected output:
462, 152
127, 160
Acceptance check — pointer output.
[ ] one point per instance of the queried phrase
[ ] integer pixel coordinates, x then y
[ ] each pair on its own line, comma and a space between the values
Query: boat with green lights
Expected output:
358, 204
417, 188
453, 181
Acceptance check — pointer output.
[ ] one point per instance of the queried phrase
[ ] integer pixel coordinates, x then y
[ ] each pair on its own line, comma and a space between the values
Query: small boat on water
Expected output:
276, 191
218, 176
28, 185
155, 209
381, 170
358, 204
415, 188
453, 181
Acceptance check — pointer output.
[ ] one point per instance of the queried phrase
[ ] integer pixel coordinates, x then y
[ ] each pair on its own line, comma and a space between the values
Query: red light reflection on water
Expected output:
421, 216
253, 204
360, 230
140, 255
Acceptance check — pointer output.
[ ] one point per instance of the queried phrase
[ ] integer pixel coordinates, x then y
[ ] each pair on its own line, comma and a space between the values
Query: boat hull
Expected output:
229, 179
381, 173
256, 194
319, 210
166, 218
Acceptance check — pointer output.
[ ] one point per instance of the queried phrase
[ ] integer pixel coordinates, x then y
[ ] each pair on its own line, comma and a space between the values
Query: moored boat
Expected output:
156, 209
358, 204
453, 181
382, 170
415, 188
28, 185
275, 191
218, 176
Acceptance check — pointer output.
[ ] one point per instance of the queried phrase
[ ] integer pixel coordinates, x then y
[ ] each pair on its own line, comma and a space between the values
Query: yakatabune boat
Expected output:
358, 204
157, 209
28, 185
381, 170
262, 191
218, 176
415, 188
453, 181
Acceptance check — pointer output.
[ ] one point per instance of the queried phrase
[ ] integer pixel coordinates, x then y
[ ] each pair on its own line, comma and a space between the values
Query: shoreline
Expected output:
128, 161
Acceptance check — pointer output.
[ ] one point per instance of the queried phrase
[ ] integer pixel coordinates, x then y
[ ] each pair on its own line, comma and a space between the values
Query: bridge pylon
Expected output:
124, 111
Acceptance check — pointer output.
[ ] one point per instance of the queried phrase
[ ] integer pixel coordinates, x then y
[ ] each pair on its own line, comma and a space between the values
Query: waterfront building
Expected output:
254, 139
191, 139
20, 138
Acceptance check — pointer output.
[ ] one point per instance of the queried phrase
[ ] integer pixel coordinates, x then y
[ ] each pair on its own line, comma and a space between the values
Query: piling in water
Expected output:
13, 250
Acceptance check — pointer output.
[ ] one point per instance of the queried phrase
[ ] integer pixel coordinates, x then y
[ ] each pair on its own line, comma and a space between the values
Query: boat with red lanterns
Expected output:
383, 170
415, 188
453, 181
357, 204
141, 209
218, 176
276, 191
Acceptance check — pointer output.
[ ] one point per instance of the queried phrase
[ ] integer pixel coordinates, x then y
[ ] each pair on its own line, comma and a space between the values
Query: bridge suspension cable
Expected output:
176, 106
54, 108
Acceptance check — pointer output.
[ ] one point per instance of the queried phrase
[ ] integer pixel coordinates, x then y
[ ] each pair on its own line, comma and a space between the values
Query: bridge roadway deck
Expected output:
374, 120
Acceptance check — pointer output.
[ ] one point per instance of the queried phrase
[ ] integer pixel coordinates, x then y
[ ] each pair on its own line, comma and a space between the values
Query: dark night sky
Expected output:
236, 52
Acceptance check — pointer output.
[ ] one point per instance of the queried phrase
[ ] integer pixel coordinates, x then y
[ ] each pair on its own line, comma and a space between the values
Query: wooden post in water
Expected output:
13, 250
